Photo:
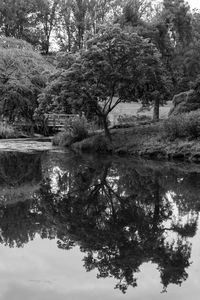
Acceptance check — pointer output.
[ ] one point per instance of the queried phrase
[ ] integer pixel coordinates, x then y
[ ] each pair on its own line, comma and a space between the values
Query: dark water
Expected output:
88, 227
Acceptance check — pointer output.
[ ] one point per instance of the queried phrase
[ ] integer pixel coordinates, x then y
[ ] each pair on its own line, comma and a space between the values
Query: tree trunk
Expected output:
156, 109
47, 44
105, 126
69, 38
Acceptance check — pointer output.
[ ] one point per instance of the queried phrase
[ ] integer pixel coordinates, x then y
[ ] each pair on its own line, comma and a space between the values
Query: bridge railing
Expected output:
58, 121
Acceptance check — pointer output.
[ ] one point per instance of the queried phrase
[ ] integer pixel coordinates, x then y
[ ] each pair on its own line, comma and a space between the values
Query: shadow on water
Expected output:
120, 212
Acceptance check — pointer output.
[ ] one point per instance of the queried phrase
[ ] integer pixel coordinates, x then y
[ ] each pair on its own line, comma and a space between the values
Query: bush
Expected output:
77, 127
183, 125
75, 130
62, 139
6, 131
97, 143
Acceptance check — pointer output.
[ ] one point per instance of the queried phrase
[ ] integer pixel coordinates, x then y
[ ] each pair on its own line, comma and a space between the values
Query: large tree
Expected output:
116, 67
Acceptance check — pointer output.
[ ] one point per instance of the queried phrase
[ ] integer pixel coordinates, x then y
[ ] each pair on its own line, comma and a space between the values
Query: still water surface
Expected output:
85, 227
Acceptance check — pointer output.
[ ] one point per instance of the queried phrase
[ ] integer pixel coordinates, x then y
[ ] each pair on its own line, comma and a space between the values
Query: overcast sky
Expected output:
194, 3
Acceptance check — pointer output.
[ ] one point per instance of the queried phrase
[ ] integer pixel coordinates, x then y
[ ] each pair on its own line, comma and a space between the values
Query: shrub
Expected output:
75, 130
98, 143
62, 139
77, 127
6, 131
183, 125
101, 144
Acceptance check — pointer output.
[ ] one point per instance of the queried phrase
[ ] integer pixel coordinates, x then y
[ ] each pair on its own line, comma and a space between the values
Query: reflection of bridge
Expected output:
58, 121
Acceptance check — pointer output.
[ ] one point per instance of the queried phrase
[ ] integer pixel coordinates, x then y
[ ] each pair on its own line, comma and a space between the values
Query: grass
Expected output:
132, 109
17, 194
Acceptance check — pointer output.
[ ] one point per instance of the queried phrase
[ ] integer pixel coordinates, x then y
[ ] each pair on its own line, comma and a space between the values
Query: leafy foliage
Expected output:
183, 125
75, 130
29, 20
116, 67
23, 75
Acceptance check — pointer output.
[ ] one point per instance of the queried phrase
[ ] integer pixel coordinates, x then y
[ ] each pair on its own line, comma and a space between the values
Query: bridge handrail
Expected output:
58, 120
61, 115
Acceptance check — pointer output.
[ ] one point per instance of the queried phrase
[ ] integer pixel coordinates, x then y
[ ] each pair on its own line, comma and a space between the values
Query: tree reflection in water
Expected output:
120, 213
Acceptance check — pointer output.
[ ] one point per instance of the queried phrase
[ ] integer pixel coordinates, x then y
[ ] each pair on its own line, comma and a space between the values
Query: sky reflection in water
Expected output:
136, 224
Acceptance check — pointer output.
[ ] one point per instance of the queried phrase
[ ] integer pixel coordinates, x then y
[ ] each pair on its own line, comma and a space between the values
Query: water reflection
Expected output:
121, 213
20, 175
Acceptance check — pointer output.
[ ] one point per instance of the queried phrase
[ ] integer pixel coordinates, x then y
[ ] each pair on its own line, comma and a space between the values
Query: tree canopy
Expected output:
23, 75
116, 67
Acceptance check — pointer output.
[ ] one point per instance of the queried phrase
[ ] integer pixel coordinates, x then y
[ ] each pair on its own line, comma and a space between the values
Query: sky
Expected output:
194, 3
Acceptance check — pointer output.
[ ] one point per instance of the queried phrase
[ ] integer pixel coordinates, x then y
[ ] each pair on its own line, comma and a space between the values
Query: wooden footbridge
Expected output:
55, 122
58, 121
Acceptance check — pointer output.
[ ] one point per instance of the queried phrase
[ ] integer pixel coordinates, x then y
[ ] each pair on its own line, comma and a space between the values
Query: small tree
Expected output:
116, 67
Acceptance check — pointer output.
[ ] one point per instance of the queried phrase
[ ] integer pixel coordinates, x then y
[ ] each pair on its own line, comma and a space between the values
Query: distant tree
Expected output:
171, 28
177, 16
32, 21
191, 57
80, 20
65, 28
135, 12
45, 19
15, 18
72, 24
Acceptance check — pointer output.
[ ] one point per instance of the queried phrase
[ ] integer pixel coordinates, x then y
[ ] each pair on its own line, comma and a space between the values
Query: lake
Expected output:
97, 227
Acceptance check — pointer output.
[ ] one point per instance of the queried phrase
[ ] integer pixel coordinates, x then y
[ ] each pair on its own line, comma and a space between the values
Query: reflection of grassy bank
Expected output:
18, 168
10, 195
144, 140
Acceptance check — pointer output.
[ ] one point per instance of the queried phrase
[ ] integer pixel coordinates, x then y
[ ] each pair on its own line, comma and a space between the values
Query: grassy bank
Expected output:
175, 138
146, 141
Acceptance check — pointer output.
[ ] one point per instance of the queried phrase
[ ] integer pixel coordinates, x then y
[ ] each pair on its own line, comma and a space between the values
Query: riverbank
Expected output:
145, 141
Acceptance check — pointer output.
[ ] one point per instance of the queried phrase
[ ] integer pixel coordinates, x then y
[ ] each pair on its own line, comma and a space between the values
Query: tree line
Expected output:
101, 35
171, 25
